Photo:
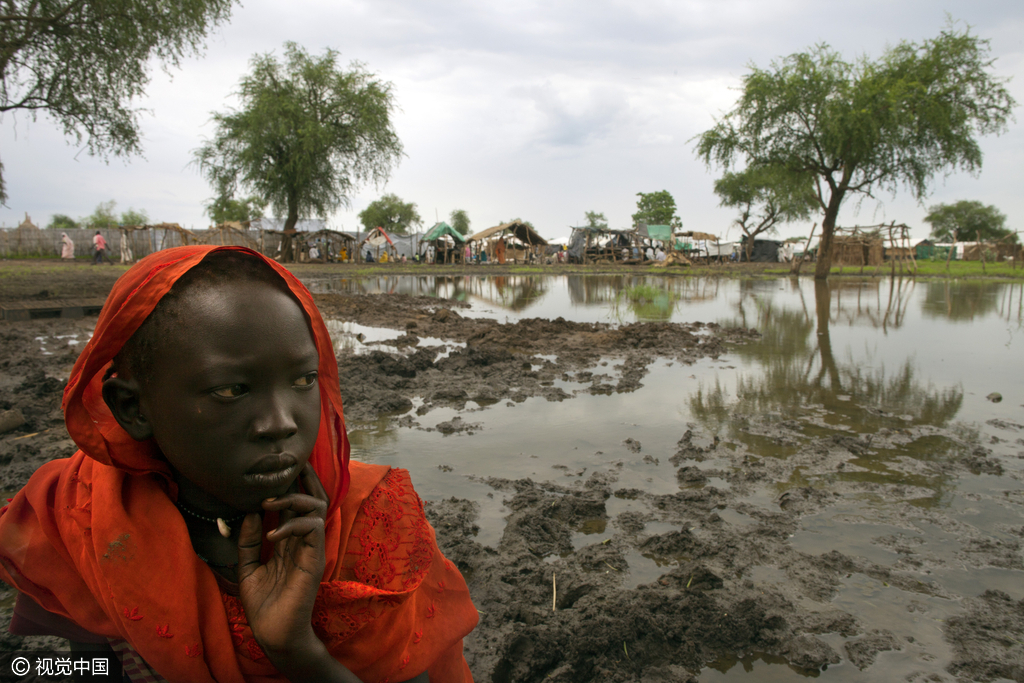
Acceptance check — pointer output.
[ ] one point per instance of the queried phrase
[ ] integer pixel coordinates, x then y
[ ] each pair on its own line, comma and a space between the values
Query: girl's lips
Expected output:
275, 462
273, 477
271, 470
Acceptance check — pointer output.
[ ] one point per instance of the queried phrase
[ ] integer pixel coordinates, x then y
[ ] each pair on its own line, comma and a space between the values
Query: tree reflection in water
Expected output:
800, 379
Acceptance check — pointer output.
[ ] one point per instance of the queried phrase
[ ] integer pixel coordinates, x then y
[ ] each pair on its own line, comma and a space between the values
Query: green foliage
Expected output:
84, 61
62, 222
460, 221
307, 132
865, 126
103, 216
765, 197
224, 209
656, 208
391, 213
134, 217
967, 221
596, 220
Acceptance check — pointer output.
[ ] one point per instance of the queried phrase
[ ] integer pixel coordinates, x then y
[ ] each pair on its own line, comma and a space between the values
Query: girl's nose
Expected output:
276, 419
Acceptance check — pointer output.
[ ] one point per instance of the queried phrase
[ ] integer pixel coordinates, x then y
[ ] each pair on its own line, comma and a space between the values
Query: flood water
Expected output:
851, 356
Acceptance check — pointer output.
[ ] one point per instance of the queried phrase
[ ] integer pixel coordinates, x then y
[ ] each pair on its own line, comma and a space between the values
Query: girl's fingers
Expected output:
297, 504
299, 527
250, 540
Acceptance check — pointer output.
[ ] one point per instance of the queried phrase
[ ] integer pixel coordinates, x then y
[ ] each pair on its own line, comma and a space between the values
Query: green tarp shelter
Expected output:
440, 230
662, 233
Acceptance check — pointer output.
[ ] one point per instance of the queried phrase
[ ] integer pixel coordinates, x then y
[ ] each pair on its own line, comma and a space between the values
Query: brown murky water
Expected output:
850, 359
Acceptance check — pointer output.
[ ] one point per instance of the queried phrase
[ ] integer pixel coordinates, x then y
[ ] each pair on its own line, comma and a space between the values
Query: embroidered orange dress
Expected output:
96, 539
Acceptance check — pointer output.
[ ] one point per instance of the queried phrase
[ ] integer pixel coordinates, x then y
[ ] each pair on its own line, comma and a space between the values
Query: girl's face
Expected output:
233, 399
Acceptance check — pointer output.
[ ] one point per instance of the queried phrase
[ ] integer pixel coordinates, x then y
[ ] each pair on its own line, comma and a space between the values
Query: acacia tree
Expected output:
656, 208
223, 209
596, 220
84, 61
306, 133
765, 197
391, 213
460, 221
967, 220
856, 128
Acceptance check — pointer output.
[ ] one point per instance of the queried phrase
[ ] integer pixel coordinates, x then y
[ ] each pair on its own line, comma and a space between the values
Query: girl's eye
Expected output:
306, 380
232, 391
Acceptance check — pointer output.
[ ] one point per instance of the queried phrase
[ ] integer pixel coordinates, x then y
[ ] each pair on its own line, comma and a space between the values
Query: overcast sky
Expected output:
538, 110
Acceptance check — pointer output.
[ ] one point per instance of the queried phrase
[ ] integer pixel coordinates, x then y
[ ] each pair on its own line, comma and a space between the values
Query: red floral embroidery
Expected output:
164, 631
133, 614
253, 649
440, 586
404, 663
389, 554
193, 650
241, 633
431, 611
417, 636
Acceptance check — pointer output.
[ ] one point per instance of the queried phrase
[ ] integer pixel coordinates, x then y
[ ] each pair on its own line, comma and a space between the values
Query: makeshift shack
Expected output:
761, 251
446, 242
374, 241
858, 249
497, 241
332, 245
589, 245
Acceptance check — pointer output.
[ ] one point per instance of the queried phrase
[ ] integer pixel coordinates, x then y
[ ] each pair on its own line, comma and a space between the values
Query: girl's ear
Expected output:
122, 396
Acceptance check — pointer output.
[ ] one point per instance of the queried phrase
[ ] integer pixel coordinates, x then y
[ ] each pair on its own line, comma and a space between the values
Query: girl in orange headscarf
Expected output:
212, 528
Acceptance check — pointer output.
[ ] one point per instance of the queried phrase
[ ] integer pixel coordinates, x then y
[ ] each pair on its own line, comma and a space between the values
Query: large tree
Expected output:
62, 222
223, 208
596, 220
84, 61
656, 208
864, 126
391, 213
460, 221
967, 220
765, 197
306, 133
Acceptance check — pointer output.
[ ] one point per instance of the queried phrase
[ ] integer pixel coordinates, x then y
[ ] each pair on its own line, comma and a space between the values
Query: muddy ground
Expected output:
728, 590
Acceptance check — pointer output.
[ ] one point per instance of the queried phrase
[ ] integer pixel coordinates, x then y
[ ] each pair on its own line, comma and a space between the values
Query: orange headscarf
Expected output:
96, 538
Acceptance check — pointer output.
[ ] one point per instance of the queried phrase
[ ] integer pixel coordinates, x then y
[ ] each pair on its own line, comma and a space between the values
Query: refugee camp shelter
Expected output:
445, 241
587, 244
762, 251
374, 240
858, 249
332, 245
498, 240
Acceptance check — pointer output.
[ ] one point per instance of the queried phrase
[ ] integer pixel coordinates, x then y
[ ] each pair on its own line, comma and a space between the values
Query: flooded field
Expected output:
680, 479
894, 376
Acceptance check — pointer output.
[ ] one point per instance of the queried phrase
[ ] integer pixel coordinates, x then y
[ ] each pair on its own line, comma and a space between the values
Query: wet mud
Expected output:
486, 361
671, 583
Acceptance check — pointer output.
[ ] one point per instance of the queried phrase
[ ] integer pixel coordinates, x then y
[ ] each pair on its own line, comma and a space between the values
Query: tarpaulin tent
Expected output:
438, 237
376, 238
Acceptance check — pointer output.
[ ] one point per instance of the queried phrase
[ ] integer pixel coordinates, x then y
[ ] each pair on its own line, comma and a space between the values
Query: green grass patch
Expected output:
956, 269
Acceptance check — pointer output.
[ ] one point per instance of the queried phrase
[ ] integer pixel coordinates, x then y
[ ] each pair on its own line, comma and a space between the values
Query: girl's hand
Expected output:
278, 596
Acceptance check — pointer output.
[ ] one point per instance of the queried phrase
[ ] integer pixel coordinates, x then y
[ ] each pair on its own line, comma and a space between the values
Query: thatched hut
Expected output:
858, 249
497, 241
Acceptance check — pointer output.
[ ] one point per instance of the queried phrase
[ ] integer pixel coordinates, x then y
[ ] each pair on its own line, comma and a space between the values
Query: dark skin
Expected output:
235, 410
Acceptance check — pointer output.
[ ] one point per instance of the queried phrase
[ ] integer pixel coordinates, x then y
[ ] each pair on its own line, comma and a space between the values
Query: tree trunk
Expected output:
287, 248
828, 227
